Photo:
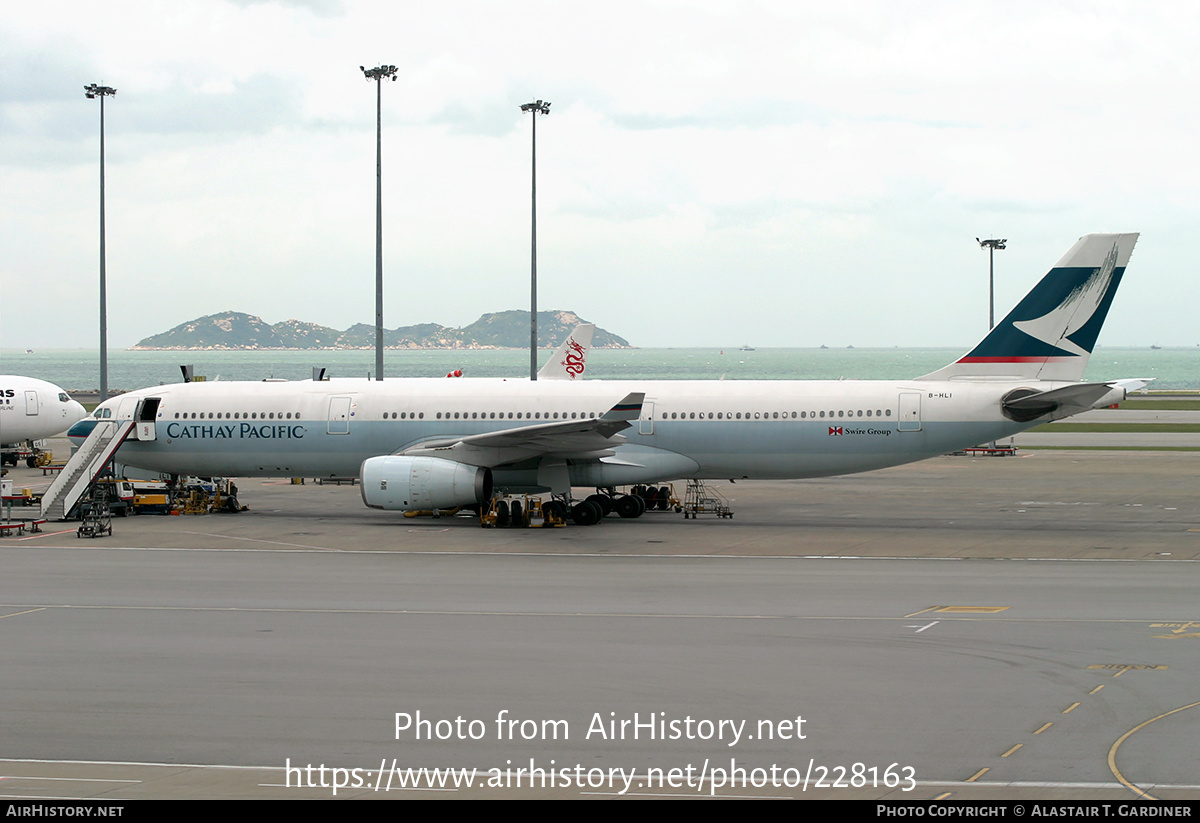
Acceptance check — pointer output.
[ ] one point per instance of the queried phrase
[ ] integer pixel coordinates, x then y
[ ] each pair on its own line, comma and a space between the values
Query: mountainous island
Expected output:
498, 330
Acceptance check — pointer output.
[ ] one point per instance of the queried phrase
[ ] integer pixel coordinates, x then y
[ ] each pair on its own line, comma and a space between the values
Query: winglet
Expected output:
569, 360
629, 408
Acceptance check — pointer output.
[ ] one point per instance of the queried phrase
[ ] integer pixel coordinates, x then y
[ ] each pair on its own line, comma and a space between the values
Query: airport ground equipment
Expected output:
435, 513
97, 517
206, 496
18, 527
700, 499
152, 502
9, 496
521, 511
84, 467
12, 527
34, 454
140, 497
195, 501
988, 451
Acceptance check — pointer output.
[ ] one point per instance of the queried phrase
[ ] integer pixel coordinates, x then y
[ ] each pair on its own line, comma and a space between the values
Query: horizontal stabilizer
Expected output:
1024, 405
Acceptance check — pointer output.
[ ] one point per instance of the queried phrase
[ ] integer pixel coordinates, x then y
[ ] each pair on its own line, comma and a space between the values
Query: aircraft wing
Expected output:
589, 438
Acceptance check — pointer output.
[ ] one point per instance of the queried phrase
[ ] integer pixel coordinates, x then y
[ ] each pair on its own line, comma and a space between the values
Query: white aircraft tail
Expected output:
1051, 333
569, 360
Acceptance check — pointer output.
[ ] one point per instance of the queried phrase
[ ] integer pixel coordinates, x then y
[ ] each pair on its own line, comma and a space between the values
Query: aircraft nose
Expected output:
81, 429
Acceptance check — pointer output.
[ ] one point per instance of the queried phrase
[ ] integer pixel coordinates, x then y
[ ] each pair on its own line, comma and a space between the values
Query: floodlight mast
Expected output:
378, 74
92, 91
534, 109
991, 245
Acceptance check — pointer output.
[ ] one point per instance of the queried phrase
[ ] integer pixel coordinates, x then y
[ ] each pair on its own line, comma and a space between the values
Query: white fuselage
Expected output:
31, 409
701, 429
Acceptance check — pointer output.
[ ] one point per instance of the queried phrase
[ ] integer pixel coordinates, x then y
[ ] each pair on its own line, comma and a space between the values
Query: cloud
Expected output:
777, 172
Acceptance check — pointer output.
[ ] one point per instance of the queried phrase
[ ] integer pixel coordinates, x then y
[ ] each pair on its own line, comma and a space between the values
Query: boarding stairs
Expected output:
84, 467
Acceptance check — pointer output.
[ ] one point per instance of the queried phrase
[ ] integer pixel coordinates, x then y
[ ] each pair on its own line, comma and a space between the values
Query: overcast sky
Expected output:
711, 173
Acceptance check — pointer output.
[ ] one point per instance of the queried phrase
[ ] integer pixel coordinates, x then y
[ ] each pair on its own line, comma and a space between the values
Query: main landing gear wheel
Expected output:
630, 505
587, 513
662, 499
607, 504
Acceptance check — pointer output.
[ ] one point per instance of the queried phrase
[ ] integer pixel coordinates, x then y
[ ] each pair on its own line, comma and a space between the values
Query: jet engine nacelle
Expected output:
409, 484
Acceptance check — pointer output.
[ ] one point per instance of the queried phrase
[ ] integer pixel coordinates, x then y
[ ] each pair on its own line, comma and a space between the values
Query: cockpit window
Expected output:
62, 397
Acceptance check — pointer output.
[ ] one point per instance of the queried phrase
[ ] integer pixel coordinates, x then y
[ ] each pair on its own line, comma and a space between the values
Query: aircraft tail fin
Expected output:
569, 360
1051, 333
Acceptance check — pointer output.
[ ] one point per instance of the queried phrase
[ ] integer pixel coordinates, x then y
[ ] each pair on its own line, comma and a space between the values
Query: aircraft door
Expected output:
646, 421
31, 402
146, 415
909, 418
126, 407
339, 416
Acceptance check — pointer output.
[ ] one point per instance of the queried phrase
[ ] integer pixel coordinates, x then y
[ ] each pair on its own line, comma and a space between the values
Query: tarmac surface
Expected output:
1003, 628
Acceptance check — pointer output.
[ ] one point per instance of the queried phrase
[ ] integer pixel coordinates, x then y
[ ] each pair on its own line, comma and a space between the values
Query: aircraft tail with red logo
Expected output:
1051, 333
569, 360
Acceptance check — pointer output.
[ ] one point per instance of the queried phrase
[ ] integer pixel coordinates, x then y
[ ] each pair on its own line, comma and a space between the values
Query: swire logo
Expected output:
835, 430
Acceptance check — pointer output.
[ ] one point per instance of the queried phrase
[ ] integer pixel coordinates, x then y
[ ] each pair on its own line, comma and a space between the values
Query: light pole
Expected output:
991, 246
378, 74
534, 110
93, 91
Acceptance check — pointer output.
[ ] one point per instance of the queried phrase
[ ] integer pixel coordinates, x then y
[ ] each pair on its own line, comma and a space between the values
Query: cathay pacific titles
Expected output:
247, 430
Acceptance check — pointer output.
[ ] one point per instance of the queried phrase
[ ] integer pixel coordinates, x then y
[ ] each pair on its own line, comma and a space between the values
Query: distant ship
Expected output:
747, 348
